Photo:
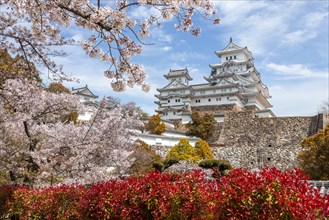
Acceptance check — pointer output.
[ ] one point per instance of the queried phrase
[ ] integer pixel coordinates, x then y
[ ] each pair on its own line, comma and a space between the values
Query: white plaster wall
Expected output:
162, 140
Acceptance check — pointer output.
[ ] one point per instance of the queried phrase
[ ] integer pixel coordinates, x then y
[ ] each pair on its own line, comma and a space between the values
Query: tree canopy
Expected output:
314, 158
35, 29
155, 125
182, 151
203, 127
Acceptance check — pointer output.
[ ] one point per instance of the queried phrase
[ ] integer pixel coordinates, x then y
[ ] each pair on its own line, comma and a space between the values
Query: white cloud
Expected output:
296, 71
315, 19
186, 56
299, 98
298, 37
166, 48
143, 12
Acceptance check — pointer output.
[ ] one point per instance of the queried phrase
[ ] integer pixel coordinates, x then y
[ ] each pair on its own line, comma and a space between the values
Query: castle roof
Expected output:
83, 91
232, 47
178, 73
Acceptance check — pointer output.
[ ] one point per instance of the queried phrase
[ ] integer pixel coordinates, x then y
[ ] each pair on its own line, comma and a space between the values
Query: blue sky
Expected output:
288, 40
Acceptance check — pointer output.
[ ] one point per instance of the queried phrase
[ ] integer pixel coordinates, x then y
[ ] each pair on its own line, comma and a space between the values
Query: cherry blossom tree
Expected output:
34, 29
38, 143
38, 146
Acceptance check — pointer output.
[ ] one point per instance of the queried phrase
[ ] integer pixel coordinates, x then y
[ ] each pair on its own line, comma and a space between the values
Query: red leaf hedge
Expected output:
268, 194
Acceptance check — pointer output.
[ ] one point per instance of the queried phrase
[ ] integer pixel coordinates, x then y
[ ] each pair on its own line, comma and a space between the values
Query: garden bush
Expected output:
202, 149
242, 194
221, 165
182, 151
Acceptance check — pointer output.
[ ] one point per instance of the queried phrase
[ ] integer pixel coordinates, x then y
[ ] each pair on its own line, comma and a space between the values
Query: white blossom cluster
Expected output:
39, 145
32, 28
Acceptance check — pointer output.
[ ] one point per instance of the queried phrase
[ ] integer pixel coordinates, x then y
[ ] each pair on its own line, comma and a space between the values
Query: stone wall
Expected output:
212, 109
251, 142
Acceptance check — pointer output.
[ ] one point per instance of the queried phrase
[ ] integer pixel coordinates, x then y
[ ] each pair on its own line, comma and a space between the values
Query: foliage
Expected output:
16, 67
314, 157
182, 151
220, 164
6, 194
144, 157
34, 28
58, 88
155, 126
202, 149
242, 194
158, 166
203, 127
169, 162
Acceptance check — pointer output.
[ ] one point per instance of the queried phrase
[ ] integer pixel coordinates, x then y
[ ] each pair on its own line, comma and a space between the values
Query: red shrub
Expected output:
6, 192
268, 194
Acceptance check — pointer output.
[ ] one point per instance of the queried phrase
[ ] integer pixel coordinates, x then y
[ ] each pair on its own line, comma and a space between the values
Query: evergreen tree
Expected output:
155, 126
202, 149
182, 151
203, 127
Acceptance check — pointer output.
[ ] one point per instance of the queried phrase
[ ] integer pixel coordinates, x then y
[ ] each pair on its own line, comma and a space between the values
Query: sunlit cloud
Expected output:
294, 71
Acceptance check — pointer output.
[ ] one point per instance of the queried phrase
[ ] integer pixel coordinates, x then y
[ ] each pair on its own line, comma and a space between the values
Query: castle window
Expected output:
168, 101
177, 100
202, 92
230, 57
228, 98
218, 99
197, 101
209, 100
226, 58
174, 113
268, 159
234, 57
214, 91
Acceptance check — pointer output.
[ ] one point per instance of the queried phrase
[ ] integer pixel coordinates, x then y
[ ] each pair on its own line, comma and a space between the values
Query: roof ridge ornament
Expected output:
230, 39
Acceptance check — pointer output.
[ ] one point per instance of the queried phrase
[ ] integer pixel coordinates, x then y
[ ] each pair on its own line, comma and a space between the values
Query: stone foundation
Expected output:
214, 109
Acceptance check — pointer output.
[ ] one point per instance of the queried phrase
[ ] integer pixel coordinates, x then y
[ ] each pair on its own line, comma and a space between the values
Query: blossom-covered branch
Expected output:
33, 28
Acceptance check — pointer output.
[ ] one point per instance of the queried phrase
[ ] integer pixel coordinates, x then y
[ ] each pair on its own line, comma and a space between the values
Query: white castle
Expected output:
234, 84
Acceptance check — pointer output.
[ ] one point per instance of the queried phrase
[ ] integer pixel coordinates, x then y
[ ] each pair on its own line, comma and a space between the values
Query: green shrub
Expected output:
169, 162
158, 166
202, 149
221, 165
183, 151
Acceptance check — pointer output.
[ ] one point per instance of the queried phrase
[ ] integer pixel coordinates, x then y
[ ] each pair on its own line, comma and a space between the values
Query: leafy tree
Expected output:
203, 127
202, 149
314, 157
16, 67
182, 151
34, 28
56, 87
155, 126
